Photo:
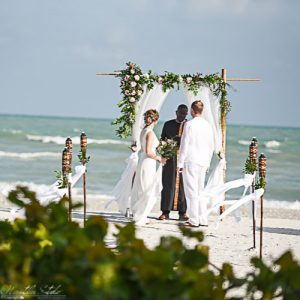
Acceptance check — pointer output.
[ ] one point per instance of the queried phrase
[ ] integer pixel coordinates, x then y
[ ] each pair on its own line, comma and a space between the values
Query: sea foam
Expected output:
60, 140
272, 144
29, 155
243, 142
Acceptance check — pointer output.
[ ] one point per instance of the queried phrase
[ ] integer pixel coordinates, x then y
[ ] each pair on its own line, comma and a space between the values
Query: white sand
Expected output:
231, 242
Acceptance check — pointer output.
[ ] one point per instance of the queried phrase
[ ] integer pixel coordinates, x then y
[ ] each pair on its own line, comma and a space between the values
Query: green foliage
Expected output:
250, 166
61, 180
45, 249
260, 183
83, 158
133, 81
281, 282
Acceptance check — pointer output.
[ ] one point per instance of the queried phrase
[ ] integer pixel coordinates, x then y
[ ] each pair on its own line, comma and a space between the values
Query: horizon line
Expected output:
112, 118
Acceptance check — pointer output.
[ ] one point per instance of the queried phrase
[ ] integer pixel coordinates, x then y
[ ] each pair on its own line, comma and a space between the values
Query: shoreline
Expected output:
96, 203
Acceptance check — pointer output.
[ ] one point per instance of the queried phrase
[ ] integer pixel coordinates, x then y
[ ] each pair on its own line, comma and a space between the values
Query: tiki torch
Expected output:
83, 159
253, 158
65, 174
69, 147
262, 165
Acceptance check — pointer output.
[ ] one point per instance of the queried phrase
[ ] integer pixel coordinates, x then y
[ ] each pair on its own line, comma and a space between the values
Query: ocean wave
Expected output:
267, 144
243, 142
6, 187
30, 155
282, 204
273, 151
272, 144
12, 131
60, 140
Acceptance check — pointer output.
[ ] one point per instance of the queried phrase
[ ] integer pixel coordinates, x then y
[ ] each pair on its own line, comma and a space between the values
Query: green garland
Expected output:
133, 80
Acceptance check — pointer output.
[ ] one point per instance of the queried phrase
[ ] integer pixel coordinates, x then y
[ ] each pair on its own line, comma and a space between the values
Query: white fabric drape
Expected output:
48, 194
121, 191
246, 199
214, 194
211, 112
151, 99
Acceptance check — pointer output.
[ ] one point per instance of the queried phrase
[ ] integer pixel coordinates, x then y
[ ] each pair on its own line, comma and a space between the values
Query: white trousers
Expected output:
193, 180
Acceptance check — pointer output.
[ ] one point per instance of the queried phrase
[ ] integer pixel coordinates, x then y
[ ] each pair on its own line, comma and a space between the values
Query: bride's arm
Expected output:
149, 143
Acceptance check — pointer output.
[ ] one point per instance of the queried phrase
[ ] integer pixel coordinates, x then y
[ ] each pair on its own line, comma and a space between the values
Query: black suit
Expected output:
171, 130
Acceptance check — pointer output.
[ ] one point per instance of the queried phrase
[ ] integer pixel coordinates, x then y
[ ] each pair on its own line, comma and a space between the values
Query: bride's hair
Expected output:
150, 116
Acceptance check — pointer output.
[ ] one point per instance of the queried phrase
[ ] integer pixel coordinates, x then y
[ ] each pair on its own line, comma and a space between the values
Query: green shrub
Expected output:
45, 252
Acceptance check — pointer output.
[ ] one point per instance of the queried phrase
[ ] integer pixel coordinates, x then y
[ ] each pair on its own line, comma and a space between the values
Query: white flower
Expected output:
180, 78
163, 143
146, 75
189, 80
126, 78
133, 83
140, 92
132, 71
160, 80
131, 99
137, 77
133, 93
126, 92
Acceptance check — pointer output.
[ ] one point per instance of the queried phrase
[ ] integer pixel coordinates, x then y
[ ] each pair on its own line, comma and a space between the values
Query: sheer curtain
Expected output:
151, 99
211, 114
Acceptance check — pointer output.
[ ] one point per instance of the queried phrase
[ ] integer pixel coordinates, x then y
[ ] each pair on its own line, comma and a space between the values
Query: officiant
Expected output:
172, 196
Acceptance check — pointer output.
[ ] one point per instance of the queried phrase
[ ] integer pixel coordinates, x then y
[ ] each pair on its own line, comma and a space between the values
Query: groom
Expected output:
172, 196
196, 151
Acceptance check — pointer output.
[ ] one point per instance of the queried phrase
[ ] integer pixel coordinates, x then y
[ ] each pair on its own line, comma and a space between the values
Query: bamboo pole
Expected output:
253, 157
69, 146
83, 145
227, 80
262, 174
223, 128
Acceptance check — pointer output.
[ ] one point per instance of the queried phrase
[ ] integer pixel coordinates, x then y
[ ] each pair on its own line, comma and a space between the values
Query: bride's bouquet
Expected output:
167, 148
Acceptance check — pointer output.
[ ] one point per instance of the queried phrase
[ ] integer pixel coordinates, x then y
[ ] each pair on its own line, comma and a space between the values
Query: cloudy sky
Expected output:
52, 49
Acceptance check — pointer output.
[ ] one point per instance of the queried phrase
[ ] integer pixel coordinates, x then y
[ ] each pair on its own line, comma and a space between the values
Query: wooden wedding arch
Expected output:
223, 113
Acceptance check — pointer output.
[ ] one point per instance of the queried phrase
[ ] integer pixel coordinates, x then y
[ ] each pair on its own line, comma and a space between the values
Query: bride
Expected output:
147, 183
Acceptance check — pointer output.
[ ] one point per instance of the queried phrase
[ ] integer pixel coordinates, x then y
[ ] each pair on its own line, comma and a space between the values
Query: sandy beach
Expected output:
231, 242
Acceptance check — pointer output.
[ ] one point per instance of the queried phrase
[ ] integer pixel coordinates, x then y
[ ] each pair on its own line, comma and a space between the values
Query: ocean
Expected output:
31, 146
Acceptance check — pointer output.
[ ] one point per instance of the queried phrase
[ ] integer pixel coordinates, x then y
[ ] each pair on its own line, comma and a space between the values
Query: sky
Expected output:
50, 51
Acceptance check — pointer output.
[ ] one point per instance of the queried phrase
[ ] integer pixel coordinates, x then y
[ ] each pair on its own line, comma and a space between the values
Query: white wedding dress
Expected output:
147, 184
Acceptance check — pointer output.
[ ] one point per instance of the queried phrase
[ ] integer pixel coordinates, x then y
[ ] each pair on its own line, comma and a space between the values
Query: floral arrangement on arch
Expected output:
133, 82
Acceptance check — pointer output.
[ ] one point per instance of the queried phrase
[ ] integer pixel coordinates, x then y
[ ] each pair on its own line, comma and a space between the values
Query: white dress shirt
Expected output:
197, 143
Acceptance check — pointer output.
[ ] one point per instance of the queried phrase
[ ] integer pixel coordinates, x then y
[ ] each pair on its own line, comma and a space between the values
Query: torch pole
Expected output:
262, 162
253, 157
69, 146
83, 145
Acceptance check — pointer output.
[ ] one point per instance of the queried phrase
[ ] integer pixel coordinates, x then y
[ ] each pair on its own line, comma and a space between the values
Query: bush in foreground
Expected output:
45, 254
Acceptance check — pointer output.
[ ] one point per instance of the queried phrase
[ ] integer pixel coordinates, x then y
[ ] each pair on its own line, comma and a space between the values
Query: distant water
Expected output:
30, 151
